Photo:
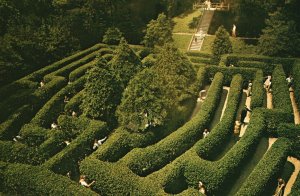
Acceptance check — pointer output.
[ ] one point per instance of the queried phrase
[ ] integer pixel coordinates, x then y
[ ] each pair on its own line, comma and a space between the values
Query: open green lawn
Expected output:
182, 41
239, 46
182, 22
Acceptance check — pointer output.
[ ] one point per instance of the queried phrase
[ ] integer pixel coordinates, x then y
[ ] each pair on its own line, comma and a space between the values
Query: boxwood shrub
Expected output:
19, 179
296, 76
74, 103
180, 140
280, 91
79, 72
200, 60
267, 170
291, 131
209, 147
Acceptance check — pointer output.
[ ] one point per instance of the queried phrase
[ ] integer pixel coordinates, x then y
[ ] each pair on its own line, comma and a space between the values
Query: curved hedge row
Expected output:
146, 161
233, 59
280, 91
81, 146
33, 180
80, 71
221, 133
52, 109
229, 72
267, 170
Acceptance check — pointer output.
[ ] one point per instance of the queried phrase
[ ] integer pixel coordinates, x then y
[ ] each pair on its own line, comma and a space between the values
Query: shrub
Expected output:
108, 57
33, 135
221, 44
292, 132
202, 60
112, 36
149, 61
267, 170
104, 51
35, 180
74, 103
280, 91
296, 76
144, 52
199, 54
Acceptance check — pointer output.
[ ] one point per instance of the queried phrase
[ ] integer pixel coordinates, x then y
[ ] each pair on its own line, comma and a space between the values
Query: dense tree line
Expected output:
34, 33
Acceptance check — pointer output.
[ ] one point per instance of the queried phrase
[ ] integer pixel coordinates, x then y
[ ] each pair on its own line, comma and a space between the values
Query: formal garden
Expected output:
142, 113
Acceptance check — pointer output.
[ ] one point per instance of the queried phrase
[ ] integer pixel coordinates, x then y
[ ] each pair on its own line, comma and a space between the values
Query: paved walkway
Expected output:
202, 30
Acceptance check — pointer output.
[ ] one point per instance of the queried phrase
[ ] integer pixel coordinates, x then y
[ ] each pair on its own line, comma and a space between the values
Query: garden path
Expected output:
247, 119
198, 38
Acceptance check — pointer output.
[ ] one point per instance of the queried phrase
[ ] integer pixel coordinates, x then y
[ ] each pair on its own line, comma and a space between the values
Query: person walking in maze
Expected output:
249, 91
201, 188
82, 181
244, 112
280, 187
98, 143
290, 80
205, 133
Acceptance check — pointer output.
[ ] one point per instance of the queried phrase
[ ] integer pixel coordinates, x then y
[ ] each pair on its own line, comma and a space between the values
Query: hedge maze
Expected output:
39, 162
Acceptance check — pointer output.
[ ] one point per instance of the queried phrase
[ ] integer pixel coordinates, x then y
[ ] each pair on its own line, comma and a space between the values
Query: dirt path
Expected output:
294, 175
295, 108
247, 119
269, 101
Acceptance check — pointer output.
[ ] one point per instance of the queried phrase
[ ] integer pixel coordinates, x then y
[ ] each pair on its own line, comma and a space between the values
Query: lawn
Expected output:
182, 41
239, 46
182, 22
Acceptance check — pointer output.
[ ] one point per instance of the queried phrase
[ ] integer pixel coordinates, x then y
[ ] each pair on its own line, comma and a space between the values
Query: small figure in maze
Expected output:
42, 83
280, 187
205, 133
66, 99
249, 91
98, 143
82, 181
201, 188
54, 126
290, 81
74, 114
17, 138
244, 112
268, 83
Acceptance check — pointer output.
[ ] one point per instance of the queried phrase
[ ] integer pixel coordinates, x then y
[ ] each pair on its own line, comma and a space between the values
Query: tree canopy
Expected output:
221, 44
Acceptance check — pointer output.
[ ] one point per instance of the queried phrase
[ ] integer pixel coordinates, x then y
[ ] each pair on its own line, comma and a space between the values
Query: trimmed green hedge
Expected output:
52, 109
199, 54
104, 51
33, 135
296, 76
179, 141
37, 76
80, 71
267, 170
66, 159
291, 131
258, 92
266, 68
200, 60
229, 72
75, 102
280, 91
108, 57
19, 179
287, 63
209, 147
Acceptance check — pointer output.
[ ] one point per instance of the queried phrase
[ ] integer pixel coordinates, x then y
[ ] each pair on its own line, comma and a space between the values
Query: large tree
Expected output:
102, 93
125, 63
144, 103
221, 44
281, 37
158, 32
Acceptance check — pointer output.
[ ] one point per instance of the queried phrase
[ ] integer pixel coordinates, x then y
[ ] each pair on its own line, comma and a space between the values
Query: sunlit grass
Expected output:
182, 41
182, 22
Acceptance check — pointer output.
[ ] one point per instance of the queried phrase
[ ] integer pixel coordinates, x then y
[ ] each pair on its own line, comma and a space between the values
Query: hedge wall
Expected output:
296, 187
52, 109
75, 102
199, 54
81, 146
287, 63
266, 68
280, 91
179, 141
19, 179
209, 147
292, 132
200, 60
267, 170
37, 76
258, 92
296, 76
80, 71
229, 72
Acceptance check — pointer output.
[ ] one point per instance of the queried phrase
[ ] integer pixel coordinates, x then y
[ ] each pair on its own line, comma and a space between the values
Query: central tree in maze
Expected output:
155, 94
102, 92
221, 44
125, 63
